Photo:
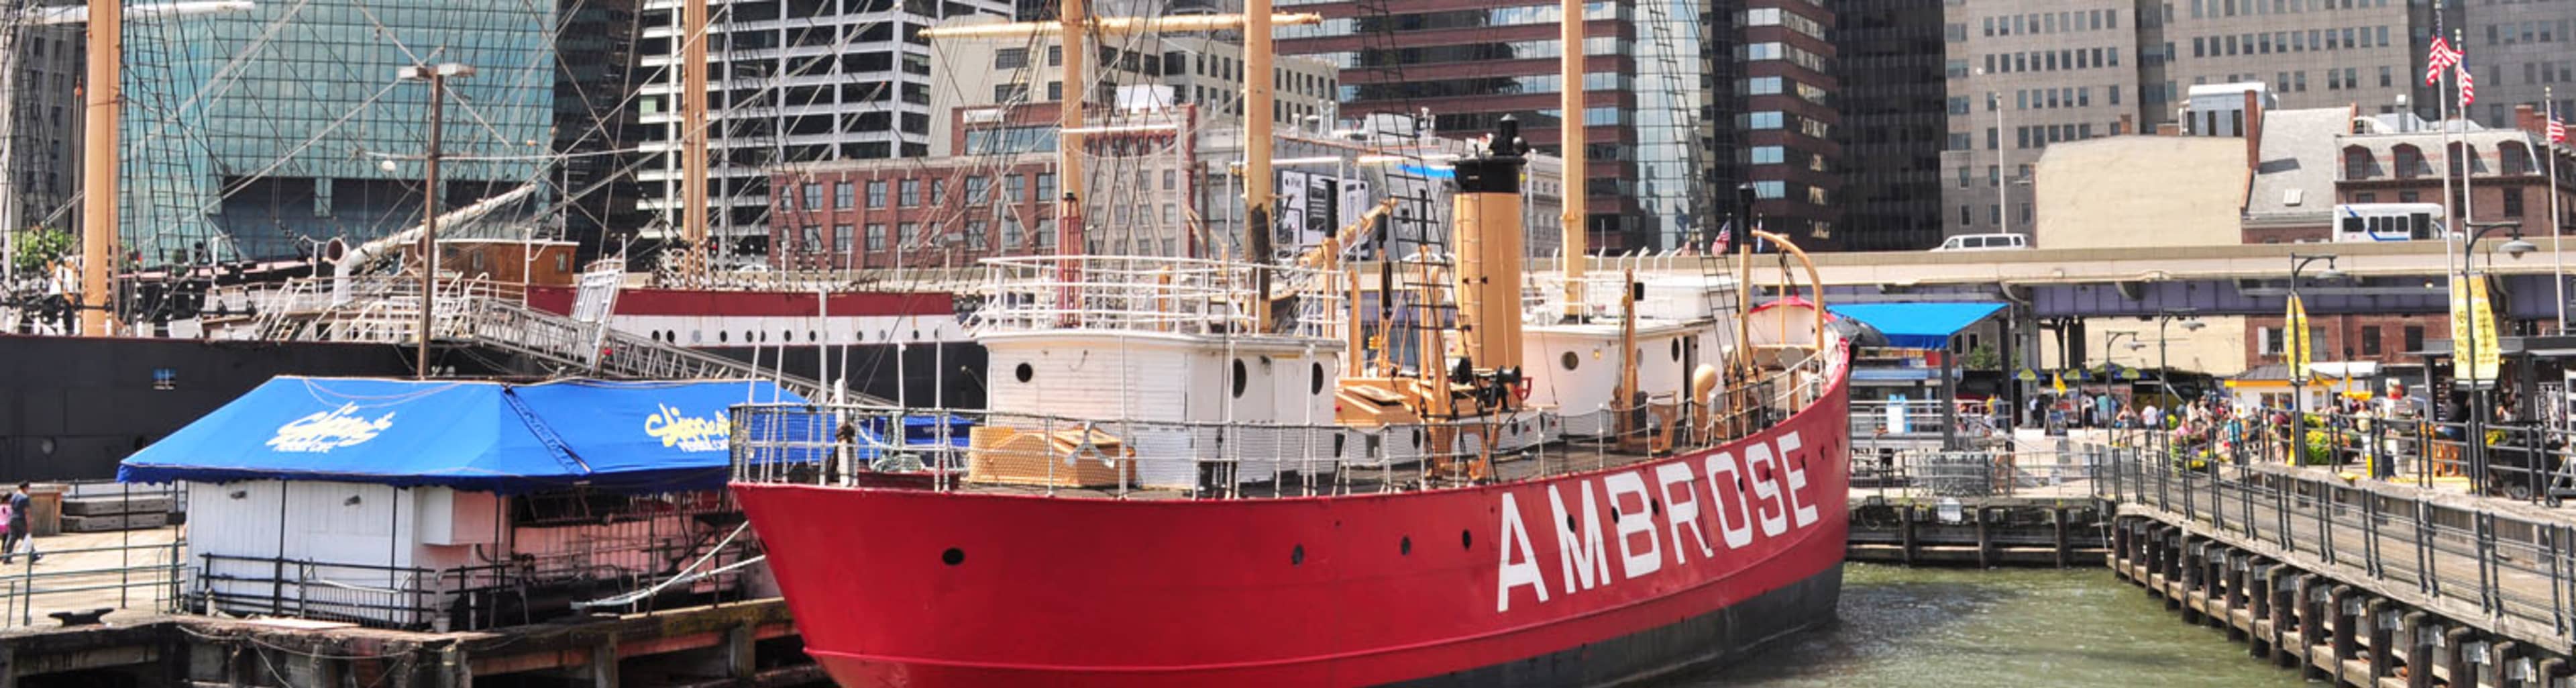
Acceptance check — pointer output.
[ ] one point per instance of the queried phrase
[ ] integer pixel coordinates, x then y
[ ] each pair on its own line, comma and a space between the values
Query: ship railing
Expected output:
1156, 294
921, 448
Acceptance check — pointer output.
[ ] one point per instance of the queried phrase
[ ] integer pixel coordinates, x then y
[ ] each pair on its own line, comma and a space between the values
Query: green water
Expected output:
1936, 628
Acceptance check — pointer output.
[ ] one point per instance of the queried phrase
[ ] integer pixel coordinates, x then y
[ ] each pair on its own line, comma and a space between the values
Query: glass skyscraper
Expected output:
253, 134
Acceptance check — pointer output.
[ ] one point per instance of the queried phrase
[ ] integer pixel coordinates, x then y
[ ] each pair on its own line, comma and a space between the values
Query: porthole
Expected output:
786, 335
1024, 372
1318, 385
953, 556
1404, 546
813, 336
1242, 378
1569, 360
1297, 556
1466, 539
1677, 349
724, 336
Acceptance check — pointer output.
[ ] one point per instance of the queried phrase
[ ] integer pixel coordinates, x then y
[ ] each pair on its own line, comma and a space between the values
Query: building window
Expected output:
876, 194
1046, 186
2513, 202
1016, 190
976, 188
813, 197
910, 194
2414, 338
2370, 340
876, 238
841, 239
2269, 342
844, 195
1010, 58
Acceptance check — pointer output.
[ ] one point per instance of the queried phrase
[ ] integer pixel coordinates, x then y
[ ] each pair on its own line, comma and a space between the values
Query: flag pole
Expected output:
2442, 102
2557, 239
2468, 156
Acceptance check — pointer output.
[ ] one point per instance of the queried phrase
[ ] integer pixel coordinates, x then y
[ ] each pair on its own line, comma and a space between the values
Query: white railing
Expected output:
1155, 294
886, 446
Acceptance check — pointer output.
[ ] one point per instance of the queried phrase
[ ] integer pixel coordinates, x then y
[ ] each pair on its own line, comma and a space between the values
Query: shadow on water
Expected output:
1940, 628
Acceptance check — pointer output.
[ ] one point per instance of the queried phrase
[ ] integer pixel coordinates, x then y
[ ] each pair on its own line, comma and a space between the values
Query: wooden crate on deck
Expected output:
1009, 456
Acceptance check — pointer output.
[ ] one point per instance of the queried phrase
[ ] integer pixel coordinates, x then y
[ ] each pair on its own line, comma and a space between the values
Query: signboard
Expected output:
2474, 345
1315, 205
2296, 348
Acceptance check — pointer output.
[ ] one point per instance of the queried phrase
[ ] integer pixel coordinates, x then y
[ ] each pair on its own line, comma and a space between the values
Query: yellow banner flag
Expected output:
2295, 337
2475, 349
2058, 381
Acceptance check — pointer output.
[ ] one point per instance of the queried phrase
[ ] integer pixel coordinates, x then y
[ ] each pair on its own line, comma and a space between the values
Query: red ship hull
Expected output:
1584, 579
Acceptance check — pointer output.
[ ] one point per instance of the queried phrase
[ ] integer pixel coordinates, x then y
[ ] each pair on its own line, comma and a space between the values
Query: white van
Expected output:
1985, 242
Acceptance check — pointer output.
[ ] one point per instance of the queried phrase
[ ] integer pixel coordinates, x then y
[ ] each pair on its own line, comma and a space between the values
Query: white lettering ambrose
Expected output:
322, 432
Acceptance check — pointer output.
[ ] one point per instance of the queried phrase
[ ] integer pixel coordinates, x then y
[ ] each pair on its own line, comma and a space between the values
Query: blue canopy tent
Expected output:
1926, 325
1923, 325
482, 436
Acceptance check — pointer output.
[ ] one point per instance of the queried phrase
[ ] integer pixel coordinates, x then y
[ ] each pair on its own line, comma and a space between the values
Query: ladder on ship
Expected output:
388, 312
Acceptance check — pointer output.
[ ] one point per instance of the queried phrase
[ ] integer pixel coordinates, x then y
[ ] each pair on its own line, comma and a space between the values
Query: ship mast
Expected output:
1570, 150
1069, 29
105, 93
1257, 105
694, 83
1070, 15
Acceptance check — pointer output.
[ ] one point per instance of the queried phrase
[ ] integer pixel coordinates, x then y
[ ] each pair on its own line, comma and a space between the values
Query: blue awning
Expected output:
1923, 325
511, 439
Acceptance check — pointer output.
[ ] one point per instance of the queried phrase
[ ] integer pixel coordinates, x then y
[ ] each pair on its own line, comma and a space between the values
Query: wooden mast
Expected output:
99, 194
694, 83
1570, 136
1071, 15
1258, 99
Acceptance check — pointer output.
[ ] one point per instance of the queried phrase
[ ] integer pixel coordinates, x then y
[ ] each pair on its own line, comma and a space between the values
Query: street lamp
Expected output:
2164, 365
437, 76
2299, 373
2476, 436
2003, 191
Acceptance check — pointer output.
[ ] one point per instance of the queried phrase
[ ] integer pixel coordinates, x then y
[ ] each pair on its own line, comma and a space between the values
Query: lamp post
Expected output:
2164, 366
437, 76
2465, 350
2299, 373
2003, 190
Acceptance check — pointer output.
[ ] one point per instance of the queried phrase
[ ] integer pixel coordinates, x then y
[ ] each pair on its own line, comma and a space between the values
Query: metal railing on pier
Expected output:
134, 570
2522, 461
2065, 471
2470, 558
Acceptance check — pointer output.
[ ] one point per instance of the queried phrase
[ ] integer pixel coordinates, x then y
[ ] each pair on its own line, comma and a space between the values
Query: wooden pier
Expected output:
2355, 582
735, 645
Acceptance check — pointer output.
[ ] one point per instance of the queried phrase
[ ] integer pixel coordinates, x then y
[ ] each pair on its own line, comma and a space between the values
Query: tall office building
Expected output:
2022, 75
797, 81
1648, 95
1788, 122
256, 133
44, 154
1891, 100
2518, 51
595, 119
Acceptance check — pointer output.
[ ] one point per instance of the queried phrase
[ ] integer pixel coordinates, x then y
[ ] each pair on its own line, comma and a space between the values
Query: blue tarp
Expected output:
511, 439
1924, 325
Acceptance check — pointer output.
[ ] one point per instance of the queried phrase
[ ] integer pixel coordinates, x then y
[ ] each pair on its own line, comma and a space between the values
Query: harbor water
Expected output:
1999, 628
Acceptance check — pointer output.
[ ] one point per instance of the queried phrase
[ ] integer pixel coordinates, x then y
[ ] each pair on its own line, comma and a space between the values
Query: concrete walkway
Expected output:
128, 572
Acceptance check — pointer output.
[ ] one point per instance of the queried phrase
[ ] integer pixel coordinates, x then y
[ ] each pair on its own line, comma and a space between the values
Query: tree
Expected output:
39, 246
1982, 358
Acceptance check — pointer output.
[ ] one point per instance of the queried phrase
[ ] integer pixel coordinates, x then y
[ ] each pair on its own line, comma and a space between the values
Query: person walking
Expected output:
18, 530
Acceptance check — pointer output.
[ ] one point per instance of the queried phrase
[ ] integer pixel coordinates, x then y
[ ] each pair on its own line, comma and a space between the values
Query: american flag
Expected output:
2440, 57
2468, 89
1725, 232
2557, 131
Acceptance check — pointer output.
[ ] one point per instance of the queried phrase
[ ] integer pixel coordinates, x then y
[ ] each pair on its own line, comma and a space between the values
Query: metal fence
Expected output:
2515, 460
2063, 472
134, 570
2464, 557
